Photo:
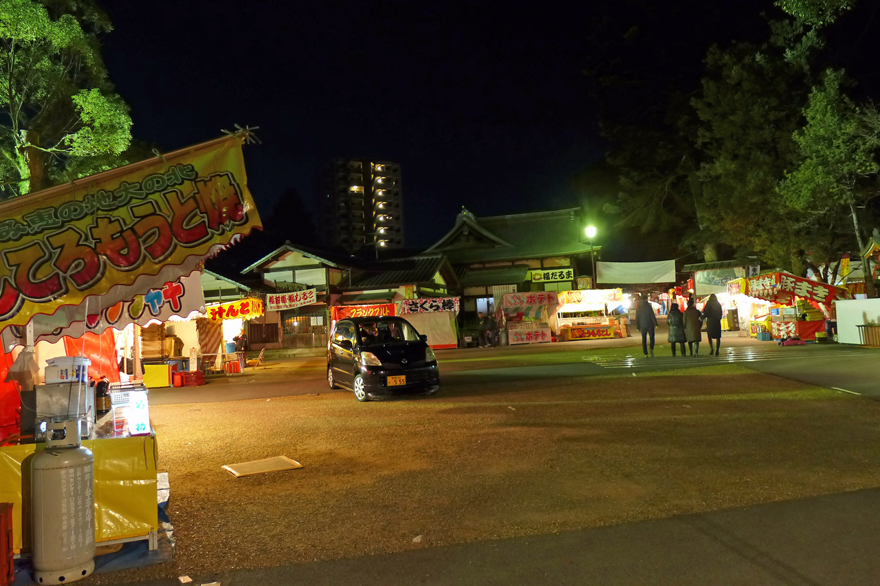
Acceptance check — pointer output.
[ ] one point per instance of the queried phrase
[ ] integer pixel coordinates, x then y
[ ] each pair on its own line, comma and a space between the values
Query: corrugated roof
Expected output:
519, 236
397, 272
494, 276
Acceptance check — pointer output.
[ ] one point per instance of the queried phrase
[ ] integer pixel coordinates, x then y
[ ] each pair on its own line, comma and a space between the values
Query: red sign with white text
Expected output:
346, 311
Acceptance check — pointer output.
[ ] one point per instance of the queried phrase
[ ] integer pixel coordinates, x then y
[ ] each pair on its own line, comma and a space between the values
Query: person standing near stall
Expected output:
713, 313
646, 321
676, 328
693, 324
484, 329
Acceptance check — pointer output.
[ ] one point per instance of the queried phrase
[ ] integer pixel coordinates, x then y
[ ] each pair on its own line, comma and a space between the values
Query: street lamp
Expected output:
591, 233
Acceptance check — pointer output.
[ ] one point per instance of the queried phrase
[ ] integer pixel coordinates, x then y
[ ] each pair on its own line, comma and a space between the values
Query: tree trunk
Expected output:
31, 163
710, 252
855, 220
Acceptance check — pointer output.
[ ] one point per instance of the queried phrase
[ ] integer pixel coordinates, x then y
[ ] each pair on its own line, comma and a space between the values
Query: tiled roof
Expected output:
519, 236
397, 272
328, 258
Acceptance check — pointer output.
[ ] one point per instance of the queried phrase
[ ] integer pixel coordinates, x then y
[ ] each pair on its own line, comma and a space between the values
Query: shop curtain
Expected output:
210, 335
100, 349
10, 403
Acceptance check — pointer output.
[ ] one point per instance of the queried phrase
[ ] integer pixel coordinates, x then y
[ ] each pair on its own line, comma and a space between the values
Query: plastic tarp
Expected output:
636, 273
100, 349
125, 487
439, 326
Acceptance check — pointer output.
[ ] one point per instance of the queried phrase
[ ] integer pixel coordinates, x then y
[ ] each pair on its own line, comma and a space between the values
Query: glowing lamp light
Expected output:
591, 231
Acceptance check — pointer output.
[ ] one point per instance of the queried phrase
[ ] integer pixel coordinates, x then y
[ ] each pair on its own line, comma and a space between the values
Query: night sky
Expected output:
483, 104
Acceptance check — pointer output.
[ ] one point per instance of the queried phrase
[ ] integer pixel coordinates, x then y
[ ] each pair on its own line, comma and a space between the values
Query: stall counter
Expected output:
125, 487
588, 332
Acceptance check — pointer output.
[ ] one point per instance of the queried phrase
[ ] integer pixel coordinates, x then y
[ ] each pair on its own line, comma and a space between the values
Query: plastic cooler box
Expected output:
66, 369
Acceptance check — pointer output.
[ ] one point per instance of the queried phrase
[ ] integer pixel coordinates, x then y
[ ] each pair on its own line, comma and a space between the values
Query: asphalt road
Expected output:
825, 540
839, 367
771, 544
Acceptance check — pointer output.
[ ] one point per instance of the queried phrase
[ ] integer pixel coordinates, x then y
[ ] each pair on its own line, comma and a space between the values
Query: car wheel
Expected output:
432, 390
360, 390
330, 380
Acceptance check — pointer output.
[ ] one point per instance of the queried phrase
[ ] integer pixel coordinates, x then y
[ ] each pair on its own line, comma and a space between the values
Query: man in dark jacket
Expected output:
484, 329
646, 321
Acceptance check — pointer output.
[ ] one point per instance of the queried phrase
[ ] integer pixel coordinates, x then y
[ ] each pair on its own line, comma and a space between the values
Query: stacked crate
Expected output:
153, 342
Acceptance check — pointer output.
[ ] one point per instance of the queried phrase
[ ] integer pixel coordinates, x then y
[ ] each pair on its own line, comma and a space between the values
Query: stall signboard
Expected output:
783, 288
536, 298
529, 336
282, 301
591, 333
138, 413
180, 298
585, 282
593, 296
249, 308
764, 286
552, 275
345, 311
121, 232
738, 287
430, 305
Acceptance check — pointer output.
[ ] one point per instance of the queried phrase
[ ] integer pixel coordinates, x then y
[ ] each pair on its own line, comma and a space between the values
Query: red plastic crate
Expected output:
7, 563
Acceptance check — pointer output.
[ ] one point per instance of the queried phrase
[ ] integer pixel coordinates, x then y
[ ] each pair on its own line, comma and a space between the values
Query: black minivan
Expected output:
375, 356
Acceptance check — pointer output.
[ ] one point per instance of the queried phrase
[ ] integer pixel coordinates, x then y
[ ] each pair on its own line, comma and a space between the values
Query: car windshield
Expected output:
386, 332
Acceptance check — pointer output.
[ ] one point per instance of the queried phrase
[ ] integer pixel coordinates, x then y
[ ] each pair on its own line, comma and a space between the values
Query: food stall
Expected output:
108, 245
434, 317
791, 306
225, 322
527, 316
590, 315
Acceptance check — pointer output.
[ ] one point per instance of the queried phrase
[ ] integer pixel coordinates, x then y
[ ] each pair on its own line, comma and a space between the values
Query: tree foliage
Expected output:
61, 116
764, 155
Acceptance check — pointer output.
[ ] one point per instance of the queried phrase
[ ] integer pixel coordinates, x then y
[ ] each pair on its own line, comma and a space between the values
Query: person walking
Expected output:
493, 332
713, 313
484, 329
693, 324
646, 321
675, 320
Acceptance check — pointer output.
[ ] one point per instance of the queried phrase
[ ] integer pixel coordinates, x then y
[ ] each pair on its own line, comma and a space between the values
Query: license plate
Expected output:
395, 381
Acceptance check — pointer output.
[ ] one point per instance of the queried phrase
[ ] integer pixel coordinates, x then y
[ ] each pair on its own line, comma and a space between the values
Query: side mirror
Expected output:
346, 344
423, 337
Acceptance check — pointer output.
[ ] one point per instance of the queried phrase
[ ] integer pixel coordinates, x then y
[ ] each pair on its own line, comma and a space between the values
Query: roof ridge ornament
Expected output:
465, 213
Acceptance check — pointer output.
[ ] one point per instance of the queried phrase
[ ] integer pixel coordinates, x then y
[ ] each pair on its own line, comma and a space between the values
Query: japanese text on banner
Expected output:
537, 298
282, 301
431, 305
63, 244
241, 309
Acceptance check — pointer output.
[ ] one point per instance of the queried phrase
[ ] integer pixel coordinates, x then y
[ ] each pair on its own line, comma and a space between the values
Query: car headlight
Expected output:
369, 359
429, 355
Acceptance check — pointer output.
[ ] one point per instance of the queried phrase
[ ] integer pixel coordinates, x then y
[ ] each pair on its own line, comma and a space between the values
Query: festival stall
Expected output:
527, 316
79, 259
434, 317
791, 306
589, 315
224, 323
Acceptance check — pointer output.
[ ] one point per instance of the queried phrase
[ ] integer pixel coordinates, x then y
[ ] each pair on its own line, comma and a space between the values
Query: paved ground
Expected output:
842, 367
551, 464
773, 544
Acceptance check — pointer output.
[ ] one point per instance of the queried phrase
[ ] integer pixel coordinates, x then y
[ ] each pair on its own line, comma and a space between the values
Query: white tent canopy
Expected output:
636, 273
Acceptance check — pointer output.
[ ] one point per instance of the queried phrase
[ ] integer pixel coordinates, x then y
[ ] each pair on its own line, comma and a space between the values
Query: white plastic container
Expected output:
66, 369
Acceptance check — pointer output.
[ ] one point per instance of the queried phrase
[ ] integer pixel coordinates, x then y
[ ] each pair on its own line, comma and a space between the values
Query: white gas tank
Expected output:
63, 507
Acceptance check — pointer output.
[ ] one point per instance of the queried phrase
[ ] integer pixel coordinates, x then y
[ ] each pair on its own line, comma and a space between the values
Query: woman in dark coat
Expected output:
713, 314
675, 320
693, 323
